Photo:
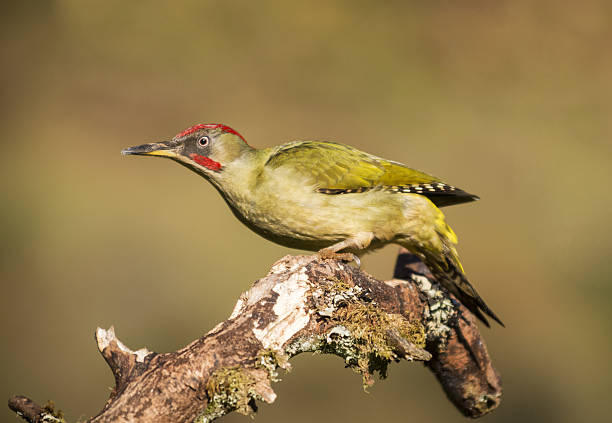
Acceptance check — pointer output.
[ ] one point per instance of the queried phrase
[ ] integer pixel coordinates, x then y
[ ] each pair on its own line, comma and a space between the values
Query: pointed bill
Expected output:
164, 149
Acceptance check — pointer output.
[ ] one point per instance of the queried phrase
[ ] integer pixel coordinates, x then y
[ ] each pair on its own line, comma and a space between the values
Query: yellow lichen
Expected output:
229, 389
361, 332
411, 330
369, 327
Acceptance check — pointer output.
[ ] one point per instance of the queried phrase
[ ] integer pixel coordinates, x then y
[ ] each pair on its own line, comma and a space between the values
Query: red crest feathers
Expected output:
195, 128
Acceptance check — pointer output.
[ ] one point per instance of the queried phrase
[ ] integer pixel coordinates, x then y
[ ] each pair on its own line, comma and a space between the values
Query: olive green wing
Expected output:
339, 169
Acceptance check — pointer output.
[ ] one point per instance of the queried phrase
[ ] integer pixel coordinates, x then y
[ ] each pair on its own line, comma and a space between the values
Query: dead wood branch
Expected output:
303, 304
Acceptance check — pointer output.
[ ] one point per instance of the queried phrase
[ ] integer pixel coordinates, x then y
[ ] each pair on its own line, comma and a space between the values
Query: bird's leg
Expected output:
359, 242
329, 253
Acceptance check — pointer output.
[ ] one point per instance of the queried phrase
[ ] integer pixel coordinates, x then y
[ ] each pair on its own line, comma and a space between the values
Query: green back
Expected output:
333, 165
337, 169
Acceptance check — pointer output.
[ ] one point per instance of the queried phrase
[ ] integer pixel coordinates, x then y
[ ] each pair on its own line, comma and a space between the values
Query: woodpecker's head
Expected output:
205, 148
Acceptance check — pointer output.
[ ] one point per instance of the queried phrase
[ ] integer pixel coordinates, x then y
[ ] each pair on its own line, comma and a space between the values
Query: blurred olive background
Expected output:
511, 100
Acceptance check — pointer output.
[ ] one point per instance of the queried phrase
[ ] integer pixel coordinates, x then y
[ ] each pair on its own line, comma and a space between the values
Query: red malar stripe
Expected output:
206, 162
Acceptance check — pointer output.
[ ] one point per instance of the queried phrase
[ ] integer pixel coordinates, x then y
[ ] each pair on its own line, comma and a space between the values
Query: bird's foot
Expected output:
326, 254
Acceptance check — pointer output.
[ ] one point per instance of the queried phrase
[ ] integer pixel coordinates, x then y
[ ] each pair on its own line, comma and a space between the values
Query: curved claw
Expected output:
346, 257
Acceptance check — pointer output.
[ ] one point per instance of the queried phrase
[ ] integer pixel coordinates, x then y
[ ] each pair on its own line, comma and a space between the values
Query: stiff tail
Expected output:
436, 247
453, 279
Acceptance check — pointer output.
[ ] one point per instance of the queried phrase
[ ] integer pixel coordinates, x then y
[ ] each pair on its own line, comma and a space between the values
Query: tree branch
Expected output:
303, 304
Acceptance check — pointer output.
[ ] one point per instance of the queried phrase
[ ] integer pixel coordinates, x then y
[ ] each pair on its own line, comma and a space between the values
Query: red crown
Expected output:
195, 128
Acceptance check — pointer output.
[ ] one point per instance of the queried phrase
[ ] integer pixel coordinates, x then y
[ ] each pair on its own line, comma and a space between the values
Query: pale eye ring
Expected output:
203, 141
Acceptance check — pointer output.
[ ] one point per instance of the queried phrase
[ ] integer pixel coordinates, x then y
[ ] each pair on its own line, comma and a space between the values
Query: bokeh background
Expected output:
511, 100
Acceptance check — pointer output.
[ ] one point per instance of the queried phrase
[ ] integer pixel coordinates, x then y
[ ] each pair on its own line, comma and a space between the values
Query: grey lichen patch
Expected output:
314, 343
362, 332
439, 312
229, 389
270, 360
333, 294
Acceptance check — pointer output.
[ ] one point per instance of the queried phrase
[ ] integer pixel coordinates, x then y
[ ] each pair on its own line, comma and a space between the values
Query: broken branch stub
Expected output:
303, 304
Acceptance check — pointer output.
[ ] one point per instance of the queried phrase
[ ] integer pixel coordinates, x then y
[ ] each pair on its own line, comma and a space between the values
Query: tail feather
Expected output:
434, 241
453, 279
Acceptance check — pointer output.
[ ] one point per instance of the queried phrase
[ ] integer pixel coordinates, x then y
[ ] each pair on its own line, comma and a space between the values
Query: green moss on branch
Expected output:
362, 333
229, 389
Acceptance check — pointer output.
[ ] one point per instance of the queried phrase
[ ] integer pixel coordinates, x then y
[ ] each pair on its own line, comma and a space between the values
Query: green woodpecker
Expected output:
328, 197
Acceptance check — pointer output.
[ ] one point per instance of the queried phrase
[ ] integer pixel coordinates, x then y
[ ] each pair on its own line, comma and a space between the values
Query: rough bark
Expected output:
303, 304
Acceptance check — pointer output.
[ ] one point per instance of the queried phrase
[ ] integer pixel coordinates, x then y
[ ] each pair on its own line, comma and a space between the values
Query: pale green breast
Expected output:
299, 217
289, 210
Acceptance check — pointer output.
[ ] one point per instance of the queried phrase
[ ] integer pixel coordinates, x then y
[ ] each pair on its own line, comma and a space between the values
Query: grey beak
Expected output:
153, 149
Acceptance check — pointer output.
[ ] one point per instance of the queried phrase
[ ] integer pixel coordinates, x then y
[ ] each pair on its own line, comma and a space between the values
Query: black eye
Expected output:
203, 141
